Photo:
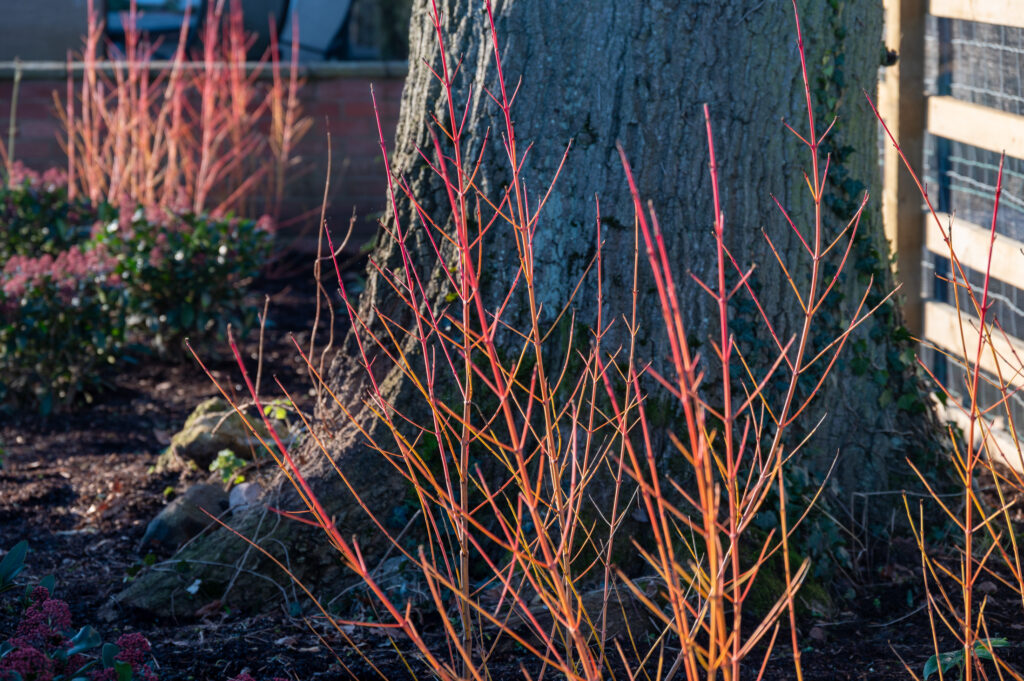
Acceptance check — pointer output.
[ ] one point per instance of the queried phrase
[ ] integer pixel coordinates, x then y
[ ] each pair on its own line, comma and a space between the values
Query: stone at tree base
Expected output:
244, 495
168, 590
184, 518
211, 427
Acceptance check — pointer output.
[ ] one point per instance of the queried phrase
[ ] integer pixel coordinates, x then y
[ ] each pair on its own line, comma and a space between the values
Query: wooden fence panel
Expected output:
971, 245
953, 123
900, 94
1002, 12
979, 126
955, 333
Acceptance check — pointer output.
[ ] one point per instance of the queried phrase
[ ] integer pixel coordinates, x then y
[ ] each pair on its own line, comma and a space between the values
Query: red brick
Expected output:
33, 109
341, 105
36, 127
356, 109
322, 108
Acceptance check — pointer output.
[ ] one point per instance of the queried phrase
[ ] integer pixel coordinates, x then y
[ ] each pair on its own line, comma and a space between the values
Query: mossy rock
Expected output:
212, 426
185, 517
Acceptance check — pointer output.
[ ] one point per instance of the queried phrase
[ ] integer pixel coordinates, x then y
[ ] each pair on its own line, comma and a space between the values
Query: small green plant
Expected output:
12, 564
135, 568
955, 658
278, 409
228, 464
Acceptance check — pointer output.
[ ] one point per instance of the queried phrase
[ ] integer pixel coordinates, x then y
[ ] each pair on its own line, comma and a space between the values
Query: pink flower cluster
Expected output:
44, 620
67, 270
159, 250
21, 175
135, 651
28, 663
41, 632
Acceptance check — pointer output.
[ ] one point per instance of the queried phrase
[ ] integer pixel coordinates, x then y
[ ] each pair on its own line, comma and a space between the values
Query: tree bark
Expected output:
638, 72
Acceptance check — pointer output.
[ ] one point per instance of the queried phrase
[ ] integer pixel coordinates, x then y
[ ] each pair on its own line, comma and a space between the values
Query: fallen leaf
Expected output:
210, 609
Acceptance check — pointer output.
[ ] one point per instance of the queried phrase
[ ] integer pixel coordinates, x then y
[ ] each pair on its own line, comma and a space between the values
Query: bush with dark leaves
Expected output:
81, 289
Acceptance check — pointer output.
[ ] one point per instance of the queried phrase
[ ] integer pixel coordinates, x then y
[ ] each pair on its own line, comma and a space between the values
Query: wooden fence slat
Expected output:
901, 103
970, 242
979, 126
1000, 447
996, 131
1002, 12
942, 327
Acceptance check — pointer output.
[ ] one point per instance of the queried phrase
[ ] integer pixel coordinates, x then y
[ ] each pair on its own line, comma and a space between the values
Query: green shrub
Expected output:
62, 319
39, 218
80, 288
186, 274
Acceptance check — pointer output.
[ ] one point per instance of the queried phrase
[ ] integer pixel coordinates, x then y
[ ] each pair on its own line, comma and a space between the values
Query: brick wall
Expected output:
336, 97
343, 107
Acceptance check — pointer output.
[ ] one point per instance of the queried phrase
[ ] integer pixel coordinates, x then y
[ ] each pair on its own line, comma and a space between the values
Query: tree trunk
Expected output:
637, 72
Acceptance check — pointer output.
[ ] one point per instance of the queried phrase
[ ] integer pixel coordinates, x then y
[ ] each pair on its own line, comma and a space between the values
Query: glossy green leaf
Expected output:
13, 563
108, 653
87, 638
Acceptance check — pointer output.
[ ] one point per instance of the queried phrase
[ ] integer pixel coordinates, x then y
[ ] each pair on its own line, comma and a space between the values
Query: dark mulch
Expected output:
78, 487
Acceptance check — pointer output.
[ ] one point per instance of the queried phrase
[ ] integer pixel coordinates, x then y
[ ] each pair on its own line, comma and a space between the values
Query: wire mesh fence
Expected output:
982, 64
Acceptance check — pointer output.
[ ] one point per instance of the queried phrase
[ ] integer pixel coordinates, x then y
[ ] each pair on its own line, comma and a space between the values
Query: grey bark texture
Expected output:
636, 72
